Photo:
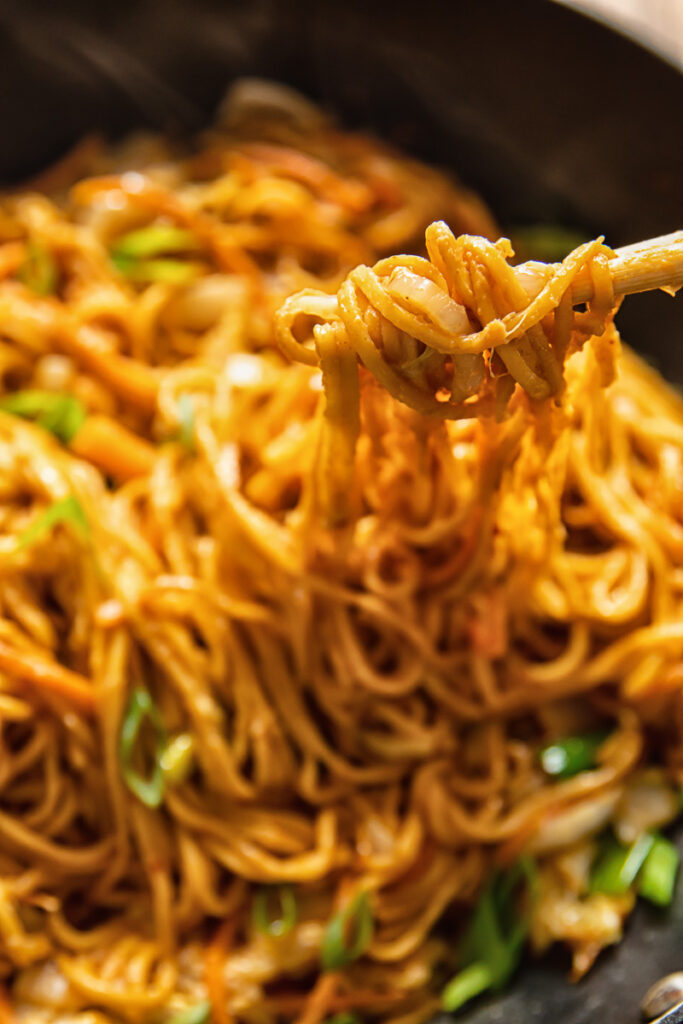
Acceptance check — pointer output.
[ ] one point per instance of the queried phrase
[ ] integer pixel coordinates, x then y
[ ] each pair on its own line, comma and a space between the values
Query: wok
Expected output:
551, 116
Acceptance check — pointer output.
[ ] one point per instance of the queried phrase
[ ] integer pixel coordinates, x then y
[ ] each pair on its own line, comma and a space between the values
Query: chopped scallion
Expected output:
345, 1017
492, 945
186, 421
348, 934
68, 510
39, 270
571, 755
468, 984
165, 270
149, 790
145, 255
198, 1014
657, 877
62, 415
177, 758
286, 913
617, 866
154, 240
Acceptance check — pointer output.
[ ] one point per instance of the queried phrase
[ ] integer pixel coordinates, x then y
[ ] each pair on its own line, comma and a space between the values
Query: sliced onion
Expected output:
576, 822
249, 97
532, 276
421, 295
469, 370
648, 803
54, 372
575, 865
45, 985
203, 302
243, 370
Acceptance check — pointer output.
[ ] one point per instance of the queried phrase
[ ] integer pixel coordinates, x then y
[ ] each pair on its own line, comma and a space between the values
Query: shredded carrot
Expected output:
294, 1002
488, 626
12, 255
6, 1012
353, 194
133, 381
113, 448
317, 1005
214, 964
48, 676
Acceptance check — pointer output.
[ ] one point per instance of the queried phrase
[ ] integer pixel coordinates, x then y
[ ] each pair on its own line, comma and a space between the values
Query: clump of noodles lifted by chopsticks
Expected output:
449, 336
257, 769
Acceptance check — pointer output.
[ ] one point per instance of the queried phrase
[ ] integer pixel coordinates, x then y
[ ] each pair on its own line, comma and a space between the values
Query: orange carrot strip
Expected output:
12, 255
293, 1002
113, 448
317, 1004
292, 163
6, 1011
49, 676
214, 962
135, 382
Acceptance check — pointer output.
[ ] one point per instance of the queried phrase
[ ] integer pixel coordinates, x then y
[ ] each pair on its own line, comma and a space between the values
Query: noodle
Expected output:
306, 552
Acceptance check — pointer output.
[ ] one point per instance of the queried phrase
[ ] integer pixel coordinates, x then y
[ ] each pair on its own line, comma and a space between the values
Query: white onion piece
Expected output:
421, 295
243, 370
575, 822
469, 369
45, 985
532, 276
202, 303
249, 97
648, 803
55, 372
380, 838
575, 865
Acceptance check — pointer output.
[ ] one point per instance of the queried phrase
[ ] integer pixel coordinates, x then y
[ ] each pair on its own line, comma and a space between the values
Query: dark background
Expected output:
551, 116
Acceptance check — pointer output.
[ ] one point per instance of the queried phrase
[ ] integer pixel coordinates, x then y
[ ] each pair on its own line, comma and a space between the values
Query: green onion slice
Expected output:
143, 255
492, 945
39, 270
345, 1017
617, 866
62, 415
286, 913
154, 240
348, 934
177, 758
571, 755
141, 707
68, 511
657, 877
198, 1014
186, 421
167, 271
467, 984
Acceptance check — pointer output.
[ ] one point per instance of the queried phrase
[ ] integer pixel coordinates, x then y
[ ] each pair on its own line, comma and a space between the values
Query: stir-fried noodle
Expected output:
296, 607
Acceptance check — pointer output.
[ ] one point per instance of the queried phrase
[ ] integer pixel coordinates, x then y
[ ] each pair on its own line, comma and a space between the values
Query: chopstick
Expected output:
641, 267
